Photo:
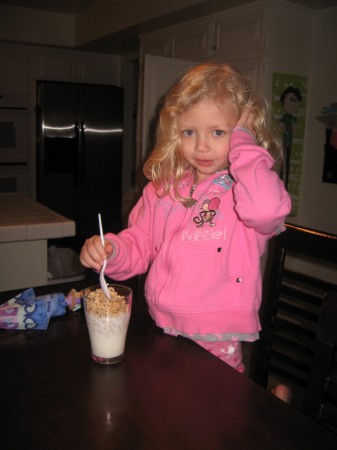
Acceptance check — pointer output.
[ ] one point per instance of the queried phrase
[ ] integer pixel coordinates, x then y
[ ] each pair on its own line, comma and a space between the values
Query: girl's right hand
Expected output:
93, 253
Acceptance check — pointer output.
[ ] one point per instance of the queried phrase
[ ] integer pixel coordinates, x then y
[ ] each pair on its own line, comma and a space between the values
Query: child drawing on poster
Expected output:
290, 99
289, 111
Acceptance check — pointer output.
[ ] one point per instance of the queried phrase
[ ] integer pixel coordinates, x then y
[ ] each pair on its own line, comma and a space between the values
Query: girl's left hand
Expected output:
246, 120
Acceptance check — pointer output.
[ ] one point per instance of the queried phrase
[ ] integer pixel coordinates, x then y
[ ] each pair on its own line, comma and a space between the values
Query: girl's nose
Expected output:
202, 144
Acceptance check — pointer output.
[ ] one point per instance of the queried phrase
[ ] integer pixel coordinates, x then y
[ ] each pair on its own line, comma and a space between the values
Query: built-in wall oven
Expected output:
14, 144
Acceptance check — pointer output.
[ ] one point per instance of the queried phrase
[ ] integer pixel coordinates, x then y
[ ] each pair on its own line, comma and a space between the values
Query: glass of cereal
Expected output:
107, 321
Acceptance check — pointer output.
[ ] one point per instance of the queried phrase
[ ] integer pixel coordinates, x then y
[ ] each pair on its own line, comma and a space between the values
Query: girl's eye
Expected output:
187, 132
218, 133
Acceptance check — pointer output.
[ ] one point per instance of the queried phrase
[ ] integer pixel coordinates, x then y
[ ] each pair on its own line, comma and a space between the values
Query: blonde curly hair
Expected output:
216, 82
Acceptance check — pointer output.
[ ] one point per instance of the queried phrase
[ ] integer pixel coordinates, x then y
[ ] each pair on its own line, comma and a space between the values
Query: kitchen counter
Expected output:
25, 227
22, 219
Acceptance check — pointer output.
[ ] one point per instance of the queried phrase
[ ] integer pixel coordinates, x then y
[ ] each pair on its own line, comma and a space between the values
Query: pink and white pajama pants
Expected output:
228, 351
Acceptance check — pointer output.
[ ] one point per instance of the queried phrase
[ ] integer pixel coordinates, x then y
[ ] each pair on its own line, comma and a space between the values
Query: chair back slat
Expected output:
298, 341
320, 401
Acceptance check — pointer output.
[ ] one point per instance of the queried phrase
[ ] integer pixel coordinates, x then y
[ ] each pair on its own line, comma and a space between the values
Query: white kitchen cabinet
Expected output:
259, 39
240, 30
57, 66
14, 70
194, 41
78, 67
22, 66
159, 43
238, 36
191, 41
98, 69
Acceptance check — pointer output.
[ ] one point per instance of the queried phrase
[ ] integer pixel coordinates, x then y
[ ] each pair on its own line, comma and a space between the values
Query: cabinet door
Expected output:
58, 66
80, 67
16, 178
255, 67
240, 32
98, 69
193, 41
157, 43
14, 70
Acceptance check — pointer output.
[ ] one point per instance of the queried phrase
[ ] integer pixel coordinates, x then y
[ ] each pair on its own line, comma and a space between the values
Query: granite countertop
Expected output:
23, 219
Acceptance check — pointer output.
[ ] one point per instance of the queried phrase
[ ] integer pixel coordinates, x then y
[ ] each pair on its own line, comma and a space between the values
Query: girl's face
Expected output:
205, 131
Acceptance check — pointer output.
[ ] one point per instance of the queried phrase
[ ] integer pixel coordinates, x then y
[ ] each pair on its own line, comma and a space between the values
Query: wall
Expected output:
313, 54
318, 200
304, 42
290, 39
36, 27
317, 207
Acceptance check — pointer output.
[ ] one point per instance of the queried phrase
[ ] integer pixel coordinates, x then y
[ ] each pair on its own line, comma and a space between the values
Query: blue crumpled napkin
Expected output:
26, 311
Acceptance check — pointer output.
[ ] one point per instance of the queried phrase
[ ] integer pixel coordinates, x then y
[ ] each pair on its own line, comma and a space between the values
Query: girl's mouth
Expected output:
204, 162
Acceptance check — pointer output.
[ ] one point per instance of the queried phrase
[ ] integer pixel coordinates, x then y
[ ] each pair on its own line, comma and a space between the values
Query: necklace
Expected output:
190, 201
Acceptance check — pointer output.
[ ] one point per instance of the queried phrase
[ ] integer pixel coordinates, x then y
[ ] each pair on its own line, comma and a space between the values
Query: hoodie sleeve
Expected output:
261, 200
133, 245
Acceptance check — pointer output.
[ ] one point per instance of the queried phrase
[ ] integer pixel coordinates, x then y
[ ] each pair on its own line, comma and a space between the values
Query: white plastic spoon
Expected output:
102, 281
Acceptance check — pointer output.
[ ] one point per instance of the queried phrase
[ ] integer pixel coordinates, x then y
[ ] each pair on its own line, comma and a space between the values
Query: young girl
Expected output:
204, 219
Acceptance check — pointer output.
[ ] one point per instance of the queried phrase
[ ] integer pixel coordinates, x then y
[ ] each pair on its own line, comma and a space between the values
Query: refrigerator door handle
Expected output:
81, 152
78, 155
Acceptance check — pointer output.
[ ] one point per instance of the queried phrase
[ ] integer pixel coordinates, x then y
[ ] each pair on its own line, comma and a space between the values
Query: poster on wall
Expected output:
289, 109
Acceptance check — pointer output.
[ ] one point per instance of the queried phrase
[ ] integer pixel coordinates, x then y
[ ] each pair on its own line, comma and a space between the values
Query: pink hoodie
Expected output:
204, 261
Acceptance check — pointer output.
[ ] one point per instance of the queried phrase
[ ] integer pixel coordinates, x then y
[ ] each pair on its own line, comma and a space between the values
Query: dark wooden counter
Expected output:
168, 393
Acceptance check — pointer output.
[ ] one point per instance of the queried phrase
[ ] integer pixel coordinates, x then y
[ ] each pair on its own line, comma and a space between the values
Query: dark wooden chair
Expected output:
298, 341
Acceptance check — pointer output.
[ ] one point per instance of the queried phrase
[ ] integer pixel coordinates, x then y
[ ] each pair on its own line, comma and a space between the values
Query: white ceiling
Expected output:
75, 6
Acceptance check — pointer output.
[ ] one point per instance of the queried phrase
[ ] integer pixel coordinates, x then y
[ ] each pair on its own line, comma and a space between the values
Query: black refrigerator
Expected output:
79, 154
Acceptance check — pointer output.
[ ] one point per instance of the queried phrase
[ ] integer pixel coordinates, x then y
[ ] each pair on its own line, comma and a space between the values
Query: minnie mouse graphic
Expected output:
209, 208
